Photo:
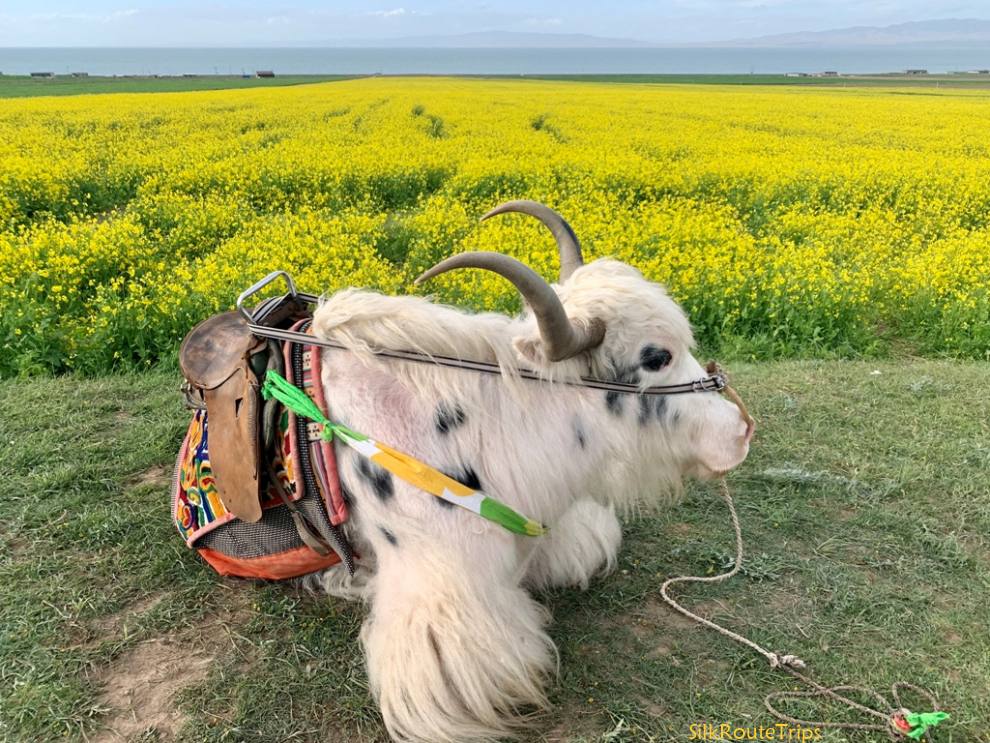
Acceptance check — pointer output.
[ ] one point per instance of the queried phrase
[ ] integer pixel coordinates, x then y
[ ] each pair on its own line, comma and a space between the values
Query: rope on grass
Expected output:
893, 719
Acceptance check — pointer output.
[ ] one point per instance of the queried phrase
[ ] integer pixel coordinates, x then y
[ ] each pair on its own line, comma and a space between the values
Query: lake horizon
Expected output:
150, 61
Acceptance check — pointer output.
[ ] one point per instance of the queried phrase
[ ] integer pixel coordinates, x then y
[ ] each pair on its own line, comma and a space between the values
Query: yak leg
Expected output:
583, 543
456, 649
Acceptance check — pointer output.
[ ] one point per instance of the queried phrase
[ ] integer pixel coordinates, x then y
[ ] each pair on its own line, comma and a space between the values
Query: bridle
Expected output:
716, 381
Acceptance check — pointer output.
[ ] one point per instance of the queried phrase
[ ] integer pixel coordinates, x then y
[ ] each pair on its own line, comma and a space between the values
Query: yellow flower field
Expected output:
788, 221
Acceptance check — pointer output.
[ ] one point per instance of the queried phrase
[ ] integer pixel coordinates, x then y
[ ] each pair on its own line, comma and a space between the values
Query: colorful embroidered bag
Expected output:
302, 506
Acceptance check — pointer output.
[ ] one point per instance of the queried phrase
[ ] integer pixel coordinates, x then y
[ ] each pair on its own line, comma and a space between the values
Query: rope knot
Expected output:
778, 661
914, 725
898, 722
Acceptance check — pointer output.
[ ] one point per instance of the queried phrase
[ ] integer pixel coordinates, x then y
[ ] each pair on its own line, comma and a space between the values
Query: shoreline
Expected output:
18, 86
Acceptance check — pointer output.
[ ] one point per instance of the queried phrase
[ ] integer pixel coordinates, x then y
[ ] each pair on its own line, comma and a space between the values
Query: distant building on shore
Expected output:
265, 73
797, 74
917, 71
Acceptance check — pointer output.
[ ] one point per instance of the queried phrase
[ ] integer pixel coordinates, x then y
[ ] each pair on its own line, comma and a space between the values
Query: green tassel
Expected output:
921, 721
292, 397
501, 514
302, 404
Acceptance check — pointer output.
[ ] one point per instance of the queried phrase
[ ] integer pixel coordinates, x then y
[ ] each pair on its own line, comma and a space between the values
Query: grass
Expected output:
961, 80
865, 507
21, 86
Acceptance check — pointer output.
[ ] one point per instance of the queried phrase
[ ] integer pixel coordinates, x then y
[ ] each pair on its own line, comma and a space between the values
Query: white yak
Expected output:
454, 641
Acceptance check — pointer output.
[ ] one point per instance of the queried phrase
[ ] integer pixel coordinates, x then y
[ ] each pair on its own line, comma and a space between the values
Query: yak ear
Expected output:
530, 349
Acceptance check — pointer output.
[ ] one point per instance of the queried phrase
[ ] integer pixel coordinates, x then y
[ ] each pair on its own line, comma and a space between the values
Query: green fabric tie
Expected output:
302, 404
921, 721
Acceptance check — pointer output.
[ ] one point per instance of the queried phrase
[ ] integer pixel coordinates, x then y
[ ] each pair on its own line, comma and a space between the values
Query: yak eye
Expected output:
653, 358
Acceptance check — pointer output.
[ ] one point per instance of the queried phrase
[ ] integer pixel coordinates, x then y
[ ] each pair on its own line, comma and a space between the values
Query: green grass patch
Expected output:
22, 86
864, 504
974, 81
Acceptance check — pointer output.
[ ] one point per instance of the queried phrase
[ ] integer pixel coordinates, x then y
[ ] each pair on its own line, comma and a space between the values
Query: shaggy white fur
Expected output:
455, 646
583, 543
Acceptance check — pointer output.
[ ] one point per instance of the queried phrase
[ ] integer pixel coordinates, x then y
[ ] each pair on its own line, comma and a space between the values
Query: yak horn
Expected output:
562, 338
567, 243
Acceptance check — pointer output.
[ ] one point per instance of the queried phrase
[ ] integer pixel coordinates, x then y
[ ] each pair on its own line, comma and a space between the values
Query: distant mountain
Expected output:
967, 32
495, 40
952, 32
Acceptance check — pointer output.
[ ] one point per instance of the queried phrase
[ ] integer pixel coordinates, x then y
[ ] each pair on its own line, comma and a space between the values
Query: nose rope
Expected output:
715, 370
894, 719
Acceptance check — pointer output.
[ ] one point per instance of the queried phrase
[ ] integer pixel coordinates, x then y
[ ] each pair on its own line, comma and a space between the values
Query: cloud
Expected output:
85, 17
394, 13
544, 22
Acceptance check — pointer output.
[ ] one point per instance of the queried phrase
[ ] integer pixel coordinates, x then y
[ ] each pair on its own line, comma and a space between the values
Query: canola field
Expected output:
788, 221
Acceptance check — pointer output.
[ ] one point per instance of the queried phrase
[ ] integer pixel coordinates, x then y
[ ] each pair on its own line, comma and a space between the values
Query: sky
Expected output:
205, 23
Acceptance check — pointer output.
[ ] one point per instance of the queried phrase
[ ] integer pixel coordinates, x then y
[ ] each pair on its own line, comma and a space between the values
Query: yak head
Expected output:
604, 319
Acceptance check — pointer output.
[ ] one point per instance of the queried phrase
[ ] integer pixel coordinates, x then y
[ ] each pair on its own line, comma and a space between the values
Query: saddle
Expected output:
248, 460
216, 361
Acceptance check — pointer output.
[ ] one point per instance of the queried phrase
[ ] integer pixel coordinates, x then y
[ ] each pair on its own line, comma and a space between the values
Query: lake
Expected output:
225, 61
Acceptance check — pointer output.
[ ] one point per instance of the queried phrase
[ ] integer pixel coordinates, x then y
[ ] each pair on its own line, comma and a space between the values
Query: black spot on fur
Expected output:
613, 401
448, 417
579, 434
466, 476
613, 398
470, 478
653, 358
660, 407
346, 494
379, 479
645, 409
389, 536
651, 406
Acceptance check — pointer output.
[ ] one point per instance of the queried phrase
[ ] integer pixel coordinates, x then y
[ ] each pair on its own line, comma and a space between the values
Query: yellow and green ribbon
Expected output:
401, 465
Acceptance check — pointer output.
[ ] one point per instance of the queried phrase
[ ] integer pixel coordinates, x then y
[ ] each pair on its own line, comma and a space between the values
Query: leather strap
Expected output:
713, 383
232, 408
307, 533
